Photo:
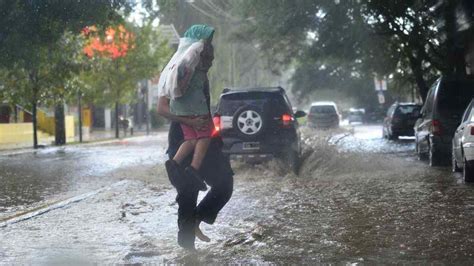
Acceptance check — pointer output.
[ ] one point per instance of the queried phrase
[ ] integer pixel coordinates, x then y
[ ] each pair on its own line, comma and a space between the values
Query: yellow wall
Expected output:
11, 133
45, 122
21, 116
23, 132
69, 126
86, 117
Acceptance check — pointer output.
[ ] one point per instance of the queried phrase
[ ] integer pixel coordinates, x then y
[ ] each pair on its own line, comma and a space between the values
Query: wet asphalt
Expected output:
359, 199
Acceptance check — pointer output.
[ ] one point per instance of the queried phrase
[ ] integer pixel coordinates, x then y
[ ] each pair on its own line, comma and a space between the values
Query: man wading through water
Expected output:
215, 167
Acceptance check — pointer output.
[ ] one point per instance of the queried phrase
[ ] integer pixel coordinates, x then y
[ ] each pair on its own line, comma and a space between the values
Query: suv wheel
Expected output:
249, 122
468, 172
434, 158
292, 159
384, 133
392, 136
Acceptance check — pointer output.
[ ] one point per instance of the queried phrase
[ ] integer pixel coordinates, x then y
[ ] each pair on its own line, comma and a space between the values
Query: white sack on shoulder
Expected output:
188, 56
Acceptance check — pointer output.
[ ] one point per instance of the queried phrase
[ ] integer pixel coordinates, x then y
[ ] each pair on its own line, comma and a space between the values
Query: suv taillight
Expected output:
217, 125
472, 130
287, 119
436, 127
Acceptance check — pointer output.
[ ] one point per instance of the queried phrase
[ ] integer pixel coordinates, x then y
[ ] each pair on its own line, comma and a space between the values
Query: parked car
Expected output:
323, 115
441, 114
375, 115
356, 115
400, 120
258, 124
463, 145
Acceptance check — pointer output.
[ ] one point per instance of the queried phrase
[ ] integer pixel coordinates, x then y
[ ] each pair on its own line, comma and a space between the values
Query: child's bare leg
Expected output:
184, 150
200, 152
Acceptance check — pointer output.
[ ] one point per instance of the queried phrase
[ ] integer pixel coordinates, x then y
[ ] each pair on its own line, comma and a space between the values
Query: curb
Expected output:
22, 216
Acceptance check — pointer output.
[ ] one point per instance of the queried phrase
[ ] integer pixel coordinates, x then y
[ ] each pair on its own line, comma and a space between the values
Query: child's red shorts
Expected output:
191, 133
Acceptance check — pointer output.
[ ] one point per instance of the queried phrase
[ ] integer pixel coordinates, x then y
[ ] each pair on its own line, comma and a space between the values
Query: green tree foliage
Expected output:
30, 40
354, 39
115, 79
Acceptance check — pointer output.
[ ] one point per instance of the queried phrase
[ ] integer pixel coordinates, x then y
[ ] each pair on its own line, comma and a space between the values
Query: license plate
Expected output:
226, 122
251, 145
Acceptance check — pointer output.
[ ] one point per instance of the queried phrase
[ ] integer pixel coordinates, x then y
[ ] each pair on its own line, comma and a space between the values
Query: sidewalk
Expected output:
96, 136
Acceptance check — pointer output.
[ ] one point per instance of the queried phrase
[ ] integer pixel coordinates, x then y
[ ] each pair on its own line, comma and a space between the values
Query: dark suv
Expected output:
441, 114
257, 124
400, 120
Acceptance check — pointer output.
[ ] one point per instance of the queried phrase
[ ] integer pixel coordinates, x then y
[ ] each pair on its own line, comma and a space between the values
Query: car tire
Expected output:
392, 137
468, 172
292, 160
250, 111
454, 164
434, 158
421, 156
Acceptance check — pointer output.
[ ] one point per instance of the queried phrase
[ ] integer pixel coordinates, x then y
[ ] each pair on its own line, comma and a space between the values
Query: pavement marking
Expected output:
22, 216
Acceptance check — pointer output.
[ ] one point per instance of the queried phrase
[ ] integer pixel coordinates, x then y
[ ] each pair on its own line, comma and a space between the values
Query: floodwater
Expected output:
358, 199
30, 179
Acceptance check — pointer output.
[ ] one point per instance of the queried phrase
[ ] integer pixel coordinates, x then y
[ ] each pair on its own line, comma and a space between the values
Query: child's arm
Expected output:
199, 122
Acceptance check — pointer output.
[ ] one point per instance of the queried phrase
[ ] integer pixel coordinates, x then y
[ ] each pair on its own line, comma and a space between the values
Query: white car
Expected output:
463, 145
323, 115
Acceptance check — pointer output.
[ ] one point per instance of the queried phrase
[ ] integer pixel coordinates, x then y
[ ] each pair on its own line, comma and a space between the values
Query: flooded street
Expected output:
358, 199
54, 173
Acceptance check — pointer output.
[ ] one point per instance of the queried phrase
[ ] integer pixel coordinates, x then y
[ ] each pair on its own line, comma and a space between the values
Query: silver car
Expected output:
463, 145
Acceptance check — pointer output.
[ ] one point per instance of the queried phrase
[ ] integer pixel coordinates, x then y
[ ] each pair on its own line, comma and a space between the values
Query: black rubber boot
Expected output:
193, 173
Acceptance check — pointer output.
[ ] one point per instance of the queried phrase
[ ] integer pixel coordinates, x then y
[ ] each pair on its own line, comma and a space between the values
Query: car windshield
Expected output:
323, 109
455, 96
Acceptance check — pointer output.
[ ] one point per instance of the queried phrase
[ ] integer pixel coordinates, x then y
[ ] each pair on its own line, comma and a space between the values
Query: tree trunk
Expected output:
455, 57
34, 102
415, 65
15, 109
147, 112
117, 133
35, 122
60, 125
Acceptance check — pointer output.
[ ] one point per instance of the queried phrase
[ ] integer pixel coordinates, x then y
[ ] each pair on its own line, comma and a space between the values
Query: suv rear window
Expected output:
454, 96
407, 109
229, 103
323, 109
